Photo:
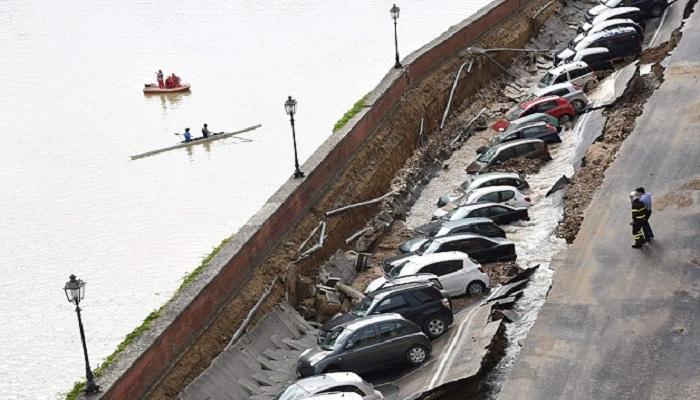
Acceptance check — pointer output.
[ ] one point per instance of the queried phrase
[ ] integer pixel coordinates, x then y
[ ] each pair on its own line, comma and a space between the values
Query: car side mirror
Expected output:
349, 345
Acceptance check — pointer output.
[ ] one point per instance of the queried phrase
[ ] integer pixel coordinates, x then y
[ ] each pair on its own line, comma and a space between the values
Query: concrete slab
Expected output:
612, 87
670, 21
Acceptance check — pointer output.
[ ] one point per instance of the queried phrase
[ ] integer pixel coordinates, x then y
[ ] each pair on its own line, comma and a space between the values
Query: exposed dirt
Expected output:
679, 197
620, 122
519, 165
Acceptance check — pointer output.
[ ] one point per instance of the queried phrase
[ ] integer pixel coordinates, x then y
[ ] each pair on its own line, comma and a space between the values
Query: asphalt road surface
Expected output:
622, 323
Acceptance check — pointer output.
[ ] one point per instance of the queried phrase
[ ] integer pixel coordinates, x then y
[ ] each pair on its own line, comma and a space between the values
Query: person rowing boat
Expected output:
187, 135
205, 131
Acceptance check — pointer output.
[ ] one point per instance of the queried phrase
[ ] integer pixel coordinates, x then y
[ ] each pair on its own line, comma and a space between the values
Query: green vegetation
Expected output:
78, 387
350, 113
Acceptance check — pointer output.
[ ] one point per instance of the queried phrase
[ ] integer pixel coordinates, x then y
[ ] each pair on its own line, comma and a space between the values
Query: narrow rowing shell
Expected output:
153, 88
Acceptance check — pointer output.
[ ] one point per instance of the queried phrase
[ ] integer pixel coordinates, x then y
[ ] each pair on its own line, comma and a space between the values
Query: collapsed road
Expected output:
475, 341
619, 322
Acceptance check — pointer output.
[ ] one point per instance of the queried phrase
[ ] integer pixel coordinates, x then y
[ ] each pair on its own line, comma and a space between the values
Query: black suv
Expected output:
419, 302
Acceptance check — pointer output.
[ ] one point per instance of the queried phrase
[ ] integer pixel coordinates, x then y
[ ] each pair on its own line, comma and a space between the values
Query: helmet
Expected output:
634, 195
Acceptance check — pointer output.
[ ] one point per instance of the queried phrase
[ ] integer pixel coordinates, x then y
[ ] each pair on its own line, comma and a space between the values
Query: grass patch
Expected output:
78, 387
350, 113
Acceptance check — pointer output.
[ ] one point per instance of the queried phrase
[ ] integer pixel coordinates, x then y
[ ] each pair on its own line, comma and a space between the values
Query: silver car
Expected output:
333, 382
484, 180
566, 90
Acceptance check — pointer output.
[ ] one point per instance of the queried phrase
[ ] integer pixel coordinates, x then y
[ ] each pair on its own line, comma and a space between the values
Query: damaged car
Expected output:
458, 273
632, 13
332, 383
420, 302
566, 90
529, 119
493, 194
578, 73
480, 226
539, 130
480, 248
555, 106
367, 344
500, 153
484, 180
501, 214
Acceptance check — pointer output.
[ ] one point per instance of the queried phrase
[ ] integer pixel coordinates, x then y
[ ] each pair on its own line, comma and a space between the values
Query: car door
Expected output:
488, 230
547, 106
507, 197
474, 248
447, 272
501, 215
362, 351
395, 303
488, 198
391, 335
579, 76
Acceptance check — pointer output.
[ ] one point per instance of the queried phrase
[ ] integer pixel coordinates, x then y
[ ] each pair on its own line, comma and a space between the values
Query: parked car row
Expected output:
410, 305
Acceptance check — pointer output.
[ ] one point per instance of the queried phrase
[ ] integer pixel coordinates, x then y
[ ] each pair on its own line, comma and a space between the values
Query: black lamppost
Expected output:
395, 15
290, 106
75, 291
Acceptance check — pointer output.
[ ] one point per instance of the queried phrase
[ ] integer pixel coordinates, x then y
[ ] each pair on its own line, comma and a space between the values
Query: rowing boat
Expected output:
153, 88
199, 140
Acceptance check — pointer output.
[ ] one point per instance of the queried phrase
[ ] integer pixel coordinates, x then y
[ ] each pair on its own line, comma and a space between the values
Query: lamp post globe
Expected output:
290, 107
394, 11
75, 292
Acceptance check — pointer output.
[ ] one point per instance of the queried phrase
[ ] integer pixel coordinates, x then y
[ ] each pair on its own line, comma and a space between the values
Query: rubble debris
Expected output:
558, 185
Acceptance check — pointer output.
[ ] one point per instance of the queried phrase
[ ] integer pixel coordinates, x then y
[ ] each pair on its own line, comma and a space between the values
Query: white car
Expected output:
578, 73
458, 274
507, 195
566, 90
376, 284
334, 382
483, 180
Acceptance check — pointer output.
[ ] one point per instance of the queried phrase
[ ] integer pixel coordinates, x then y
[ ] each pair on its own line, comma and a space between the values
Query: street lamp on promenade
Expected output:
290, 106
395, 15
75, 291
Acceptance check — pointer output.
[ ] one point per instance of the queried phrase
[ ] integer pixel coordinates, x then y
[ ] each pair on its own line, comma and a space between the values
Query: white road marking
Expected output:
447, 355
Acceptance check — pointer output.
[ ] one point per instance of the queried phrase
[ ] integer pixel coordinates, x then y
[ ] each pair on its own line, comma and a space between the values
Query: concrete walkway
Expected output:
622, 323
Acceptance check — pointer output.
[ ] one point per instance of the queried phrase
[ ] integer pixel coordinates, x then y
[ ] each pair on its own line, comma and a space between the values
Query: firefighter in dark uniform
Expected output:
638, 218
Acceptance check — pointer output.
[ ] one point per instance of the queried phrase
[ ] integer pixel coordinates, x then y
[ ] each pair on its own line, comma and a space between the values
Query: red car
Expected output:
555, 106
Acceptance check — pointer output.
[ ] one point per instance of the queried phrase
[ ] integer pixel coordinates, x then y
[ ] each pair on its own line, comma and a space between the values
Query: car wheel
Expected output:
475, 288
416, 355
435, 326
578, 105
656, 11
564, 119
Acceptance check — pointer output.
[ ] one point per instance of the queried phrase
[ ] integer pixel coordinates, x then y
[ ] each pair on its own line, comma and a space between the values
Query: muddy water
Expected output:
72, 112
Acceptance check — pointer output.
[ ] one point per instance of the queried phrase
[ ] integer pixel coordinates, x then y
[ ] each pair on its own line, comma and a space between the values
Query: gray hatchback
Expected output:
367, 344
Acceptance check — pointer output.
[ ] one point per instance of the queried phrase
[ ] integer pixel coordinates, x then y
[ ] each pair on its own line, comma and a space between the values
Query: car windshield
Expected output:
360, 310
394, 272
487, 155
293, 392
421, 249
547, 79
335, 338
514, 113
465, 184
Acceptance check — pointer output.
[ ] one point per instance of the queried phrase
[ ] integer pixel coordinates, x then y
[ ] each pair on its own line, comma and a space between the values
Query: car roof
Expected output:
606, 33
493, 175
612, 12
564, 85
420, 261
526, 126
610, 22
335, 396
514, 143
371, 319
475, 206
491, 189
529, 103
591, 50
320, 382
462, 236
567, 67
530, 117
466, 222
385, 291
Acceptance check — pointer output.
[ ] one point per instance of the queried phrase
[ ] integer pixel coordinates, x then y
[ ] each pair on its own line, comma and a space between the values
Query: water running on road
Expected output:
535, 240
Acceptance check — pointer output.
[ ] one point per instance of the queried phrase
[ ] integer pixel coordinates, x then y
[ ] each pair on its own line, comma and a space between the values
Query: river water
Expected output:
72, 113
